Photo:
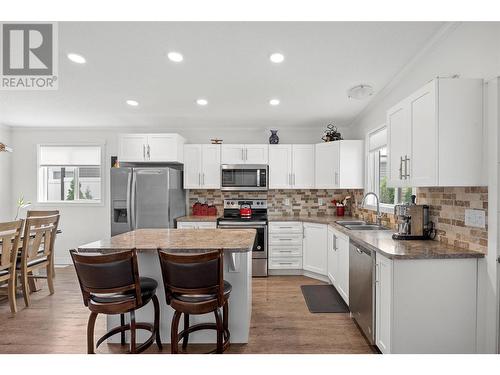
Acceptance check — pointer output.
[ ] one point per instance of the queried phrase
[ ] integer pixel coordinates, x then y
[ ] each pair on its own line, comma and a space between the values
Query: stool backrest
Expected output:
193, 274
9, 235
109, 273
38, 235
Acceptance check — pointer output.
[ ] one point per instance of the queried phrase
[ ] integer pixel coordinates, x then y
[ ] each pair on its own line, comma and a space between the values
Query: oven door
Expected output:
259, 250
249, 177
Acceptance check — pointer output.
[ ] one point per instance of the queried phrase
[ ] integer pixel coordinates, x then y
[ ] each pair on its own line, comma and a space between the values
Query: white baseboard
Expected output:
309, 274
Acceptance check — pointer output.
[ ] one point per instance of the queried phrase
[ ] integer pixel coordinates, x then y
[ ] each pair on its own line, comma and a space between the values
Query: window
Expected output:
69, 173
378, 172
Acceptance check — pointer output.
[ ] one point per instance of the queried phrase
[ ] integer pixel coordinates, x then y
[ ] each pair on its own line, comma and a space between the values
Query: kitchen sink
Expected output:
365, 227
350, 222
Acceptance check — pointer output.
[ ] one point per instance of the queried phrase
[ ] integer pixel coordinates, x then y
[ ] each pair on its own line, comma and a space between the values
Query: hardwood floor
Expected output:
281, 322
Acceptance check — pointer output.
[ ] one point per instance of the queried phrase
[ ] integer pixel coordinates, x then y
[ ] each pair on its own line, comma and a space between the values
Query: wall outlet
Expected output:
475, 218
287, 201
321, 201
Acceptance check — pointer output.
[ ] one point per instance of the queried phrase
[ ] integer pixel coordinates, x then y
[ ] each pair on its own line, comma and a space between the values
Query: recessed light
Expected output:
360, 92
175, 56
132, 103
274, 102
202, 102
277, 58
76, 58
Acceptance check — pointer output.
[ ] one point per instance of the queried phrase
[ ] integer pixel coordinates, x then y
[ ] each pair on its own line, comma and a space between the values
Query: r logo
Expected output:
27, 49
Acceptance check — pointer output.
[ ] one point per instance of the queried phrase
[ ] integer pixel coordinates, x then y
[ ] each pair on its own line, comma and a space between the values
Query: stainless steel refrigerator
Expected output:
145, 198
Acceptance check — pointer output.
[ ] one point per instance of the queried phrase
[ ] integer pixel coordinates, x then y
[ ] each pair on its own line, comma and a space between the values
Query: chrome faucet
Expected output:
379, 216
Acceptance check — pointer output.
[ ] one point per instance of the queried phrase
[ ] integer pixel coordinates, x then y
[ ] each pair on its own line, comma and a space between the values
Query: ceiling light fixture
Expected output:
274, 102
76, 58
360, 92
202, 102
132, 103
277, 58
175, 56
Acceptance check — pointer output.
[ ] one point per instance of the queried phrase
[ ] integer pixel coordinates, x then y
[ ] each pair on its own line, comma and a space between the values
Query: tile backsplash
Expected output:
447, 208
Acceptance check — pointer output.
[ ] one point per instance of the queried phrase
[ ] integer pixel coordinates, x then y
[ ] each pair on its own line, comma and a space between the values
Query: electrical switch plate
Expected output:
287, 202
321, 201
475, 218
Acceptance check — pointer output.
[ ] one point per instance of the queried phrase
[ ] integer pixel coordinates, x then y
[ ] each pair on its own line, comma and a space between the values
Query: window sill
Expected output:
384, 208
66, 203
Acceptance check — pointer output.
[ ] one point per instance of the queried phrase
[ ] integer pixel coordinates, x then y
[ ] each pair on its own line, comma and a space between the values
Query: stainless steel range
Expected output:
249, 213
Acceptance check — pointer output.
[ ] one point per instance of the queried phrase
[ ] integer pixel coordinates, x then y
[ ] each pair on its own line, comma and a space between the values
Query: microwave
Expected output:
244, 177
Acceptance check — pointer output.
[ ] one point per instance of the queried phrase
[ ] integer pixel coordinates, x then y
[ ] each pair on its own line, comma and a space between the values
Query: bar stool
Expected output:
111, 284
194, 285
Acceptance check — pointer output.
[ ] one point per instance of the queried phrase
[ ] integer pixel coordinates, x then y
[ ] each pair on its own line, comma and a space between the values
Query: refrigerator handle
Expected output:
132, 202
129, 205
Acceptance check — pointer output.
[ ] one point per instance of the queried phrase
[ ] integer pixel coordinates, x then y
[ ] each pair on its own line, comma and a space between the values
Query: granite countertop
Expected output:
381, 241
179, 240
197, 218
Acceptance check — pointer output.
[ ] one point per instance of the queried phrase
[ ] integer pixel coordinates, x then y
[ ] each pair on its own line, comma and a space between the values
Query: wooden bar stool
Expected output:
39, 213
9, 235
194, 285
37, 251
111, 284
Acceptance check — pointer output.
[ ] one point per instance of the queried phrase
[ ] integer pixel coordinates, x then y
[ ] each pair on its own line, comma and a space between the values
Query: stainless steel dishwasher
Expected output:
362, 289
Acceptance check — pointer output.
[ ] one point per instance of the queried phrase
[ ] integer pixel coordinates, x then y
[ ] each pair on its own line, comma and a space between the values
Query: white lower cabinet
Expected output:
332, 257
285, 246
338, 262
315, 248
425, 305
383, 303
196, 225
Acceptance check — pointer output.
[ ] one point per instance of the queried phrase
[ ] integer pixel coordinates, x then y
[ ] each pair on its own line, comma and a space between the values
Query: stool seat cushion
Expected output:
148, 290
194, 298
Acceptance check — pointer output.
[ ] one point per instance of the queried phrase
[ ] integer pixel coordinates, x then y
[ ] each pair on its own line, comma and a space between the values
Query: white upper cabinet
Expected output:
166, 148
244, 154
303, 166
435, 135
291, 166
339, 165
280, 166
202, 166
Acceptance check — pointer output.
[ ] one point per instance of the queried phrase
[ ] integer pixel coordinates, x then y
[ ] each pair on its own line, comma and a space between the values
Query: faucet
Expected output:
379, 216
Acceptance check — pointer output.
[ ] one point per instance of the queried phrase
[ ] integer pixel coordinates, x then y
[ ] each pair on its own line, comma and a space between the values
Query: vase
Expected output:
274, 139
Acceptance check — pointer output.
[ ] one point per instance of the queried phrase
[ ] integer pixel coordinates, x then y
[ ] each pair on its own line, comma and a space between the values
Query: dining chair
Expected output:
37, 252
110, 284
194, 285
10, 234
39, 213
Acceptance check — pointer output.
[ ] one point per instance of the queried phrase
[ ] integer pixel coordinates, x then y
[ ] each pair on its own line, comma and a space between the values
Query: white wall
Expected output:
5, 176
82, 224
471, 50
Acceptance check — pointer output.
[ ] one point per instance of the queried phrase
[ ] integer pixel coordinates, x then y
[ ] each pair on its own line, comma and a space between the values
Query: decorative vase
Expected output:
274, 139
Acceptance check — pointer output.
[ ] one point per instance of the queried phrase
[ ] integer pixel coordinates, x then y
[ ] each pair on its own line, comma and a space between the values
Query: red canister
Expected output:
340, 210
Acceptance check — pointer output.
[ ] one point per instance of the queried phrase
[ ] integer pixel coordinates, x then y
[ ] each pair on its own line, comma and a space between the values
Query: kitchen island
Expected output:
236, 245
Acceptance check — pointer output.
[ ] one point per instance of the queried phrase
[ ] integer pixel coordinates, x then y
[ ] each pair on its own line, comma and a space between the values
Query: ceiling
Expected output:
226, 63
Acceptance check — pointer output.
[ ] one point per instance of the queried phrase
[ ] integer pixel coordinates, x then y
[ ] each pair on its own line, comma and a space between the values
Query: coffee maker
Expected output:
412, 221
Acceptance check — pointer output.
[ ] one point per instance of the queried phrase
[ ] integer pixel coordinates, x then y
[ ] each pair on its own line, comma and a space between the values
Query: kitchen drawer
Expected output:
187, 225
285, 239
285, 227
207, 225
285, 251
281, 263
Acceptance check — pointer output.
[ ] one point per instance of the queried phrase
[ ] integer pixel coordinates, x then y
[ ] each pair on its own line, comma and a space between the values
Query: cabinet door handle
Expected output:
407, 174
149, 152
285, 251
243, 154
376, 273
246, 154
286, 239
285, 263
203, 179
401, 168
144, 152
293, 179
336, 178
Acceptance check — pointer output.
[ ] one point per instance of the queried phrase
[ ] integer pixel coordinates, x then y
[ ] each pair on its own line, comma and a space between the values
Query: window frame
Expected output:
384, 207
81, 202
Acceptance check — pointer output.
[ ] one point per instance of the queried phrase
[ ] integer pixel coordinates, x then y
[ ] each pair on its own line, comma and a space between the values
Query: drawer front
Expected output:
207, 225
285, 239
285, 263
285, 251
187, 225
285, 227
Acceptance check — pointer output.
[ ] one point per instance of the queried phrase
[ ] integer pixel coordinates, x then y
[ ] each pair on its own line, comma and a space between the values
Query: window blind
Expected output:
70, 156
